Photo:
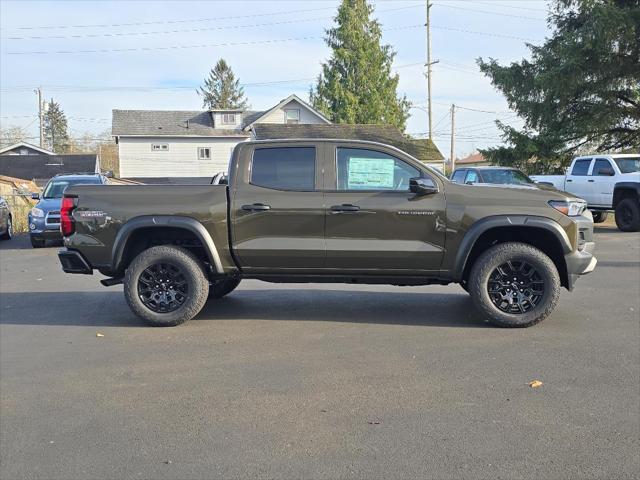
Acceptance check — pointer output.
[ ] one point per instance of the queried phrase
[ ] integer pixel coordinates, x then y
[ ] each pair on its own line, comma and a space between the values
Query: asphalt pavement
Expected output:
317, 381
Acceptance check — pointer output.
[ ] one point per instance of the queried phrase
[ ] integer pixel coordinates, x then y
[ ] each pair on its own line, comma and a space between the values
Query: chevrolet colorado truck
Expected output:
328, 211
606, 183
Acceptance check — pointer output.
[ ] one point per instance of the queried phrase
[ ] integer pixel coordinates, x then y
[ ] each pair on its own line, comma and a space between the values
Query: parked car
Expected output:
6, 220
328, 211
44, 218
607, 183
490, 175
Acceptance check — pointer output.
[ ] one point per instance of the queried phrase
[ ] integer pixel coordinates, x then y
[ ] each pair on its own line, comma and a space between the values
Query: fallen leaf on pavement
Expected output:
535, 383
99, 335
374, 422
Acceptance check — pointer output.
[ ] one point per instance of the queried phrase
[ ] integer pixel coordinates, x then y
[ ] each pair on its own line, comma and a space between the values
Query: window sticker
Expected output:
370, 173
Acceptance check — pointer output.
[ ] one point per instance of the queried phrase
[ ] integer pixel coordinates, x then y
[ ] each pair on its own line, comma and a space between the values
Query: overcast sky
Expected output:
92, 57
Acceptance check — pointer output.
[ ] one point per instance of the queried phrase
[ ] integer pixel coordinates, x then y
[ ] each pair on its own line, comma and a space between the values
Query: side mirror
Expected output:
606, 172
422, 186
108, 174
35, 196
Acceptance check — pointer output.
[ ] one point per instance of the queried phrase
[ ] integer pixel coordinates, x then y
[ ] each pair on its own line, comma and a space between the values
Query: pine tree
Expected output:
222, 90
55, 127
356, 84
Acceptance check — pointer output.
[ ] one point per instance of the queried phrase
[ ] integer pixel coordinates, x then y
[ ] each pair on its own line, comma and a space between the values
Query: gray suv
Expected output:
44, 218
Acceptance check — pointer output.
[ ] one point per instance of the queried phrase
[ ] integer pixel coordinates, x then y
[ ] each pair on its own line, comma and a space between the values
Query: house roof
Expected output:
472, 159
167, 123
43, 167
423, 149
246, 125
28, 145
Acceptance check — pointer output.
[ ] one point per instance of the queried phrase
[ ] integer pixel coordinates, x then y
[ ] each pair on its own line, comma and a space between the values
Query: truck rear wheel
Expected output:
166, 286
222, 287
628, 215
514, 285
600, 217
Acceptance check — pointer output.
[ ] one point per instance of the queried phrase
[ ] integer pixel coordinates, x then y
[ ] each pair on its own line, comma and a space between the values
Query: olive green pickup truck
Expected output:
328, 211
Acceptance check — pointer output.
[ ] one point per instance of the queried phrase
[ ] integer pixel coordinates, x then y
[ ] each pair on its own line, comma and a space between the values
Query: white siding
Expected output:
180, 160
217, 121
306, 116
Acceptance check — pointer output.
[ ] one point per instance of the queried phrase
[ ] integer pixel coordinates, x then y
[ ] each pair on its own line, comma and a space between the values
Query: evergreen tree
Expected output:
55, 127
222, 90
580, 91
356, 84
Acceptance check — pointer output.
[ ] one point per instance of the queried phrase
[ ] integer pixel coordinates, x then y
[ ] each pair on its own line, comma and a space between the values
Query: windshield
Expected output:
505, 176
628, 165
56, 188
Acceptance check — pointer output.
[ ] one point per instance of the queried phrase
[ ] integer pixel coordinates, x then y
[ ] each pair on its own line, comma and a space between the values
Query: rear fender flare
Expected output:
485, 224
159, 221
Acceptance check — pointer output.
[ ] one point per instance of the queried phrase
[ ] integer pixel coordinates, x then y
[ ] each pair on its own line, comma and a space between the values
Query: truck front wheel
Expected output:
166, 286
628, 215
600, 217
514, 285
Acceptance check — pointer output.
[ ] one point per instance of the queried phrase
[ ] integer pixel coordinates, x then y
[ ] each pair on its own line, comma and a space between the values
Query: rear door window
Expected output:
581, 167
284, 168
458, 176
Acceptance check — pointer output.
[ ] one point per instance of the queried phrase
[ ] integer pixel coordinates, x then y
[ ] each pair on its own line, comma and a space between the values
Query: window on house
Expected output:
292, 116
204, 153
286, 168
159, 147
228, 118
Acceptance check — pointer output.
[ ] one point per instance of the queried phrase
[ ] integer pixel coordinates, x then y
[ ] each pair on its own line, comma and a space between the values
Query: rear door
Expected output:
577, 181
277, 208
374, 224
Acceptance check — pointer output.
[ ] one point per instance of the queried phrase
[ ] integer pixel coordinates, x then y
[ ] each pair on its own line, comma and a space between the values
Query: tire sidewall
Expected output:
634, 207
198, 285
499, 254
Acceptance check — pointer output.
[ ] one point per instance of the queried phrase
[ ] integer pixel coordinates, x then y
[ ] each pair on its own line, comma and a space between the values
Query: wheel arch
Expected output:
168, 222
623, 190
540, 232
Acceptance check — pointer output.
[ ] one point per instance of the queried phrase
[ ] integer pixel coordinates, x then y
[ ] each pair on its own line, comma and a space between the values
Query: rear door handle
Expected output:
569, 180
256, 207
345, 207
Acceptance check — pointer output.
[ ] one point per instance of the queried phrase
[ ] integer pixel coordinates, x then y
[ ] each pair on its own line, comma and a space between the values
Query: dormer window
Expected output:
228, 118
292, 116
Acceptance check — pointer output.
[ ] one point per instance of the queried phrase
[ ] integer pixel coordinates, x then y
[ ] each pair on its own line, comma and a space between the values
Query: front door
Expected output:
602, 181
374, 224
277, 210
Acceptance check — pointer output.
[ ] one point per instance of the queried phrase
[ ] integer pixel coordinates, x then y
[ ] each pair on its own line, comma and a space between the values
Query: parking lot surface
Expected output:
317, 381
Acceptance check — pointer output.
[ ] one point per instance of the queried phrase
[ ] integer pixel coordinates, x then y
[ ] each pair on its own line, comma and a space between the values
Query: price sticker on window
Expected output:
370, 173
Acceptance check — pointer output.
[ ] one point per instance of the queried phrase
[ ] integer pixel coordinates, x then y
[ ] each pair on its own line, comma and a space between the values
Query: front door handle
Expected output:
590, 181
569, 180
256, 207
345, 207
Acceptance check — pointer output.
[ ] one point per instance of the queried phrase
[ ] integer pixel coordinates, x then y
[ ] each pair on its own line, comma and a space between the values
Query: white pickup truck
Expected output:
607, 183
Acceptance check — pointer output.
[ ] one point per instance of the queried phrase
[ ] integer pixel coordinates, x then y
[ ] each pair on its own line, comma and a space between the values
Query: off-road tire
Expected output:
8, 234
191, 268
498, 255
220, 288
37, 242
600, 217
628, 215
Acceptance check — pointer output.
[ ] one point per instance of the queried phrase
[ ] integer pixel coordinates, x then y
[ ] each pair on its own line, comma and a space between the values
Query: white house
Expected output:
198, 144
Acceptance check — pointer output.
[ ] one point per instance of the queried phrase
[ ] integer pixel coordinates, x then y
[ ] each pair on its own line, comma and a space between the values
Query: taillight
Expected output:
67, 223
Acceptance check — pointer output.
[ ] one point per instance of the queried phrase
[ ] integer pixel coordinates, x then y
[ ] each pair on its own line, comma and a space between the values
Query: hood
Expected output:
516, 194
49, 204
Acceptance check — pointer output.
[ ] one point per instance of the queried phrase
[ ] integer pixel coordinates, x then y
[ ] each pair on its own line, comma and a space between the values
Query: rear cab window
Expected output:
284, 168
581, 167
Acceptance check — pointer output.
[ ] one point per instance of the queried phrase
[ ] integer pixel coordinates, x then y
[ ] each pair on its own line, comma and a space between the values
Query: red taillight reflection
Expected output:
67, 223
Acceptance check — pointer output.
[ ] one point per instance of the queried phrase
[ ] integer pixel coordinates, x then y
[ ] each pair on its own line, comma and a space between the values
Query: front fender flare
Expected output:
485, 224
174, 221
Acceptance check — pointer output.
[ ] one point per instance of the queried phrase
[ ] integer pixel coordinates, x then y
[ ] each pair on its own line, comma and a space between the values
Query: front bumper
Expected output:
47, 227
582, 260
73, 262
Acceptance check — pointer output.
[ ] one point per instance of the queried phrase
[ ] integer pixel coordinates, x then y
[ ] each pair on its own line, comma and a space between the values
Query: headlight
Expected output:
37, 212
572, 208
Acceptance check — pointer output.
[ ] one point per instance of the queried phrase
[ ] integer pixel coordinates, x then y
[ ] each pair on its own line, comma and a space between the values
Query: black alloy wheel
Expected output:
162, 287
515, 287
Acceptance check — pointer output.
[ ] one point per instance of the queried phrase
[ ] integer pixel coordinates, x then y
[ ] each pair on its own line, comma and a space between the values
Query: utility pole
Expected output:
453, 136
40, 115
428, 65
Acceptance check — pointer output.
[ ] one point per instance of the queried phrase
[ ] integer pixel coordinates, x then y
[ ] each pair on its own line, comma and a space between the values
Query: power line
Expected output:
490, 13
187, 30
